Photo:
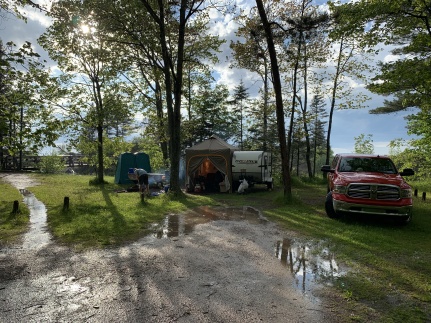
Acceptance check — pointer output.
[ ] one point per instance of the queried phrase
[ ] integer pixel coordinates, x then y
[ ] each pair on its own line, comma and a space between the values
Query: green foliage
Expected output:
364, 145
209, 114
383, 259
98, 215
15, 7
113, 147
27, 121
405, 25
411, 157
12, 226
383, 267
51, 164
149, 145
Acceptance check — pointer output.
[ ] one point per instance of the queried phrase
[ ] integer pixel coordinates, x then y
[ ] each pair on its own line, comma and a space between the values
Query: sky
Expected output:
347, 124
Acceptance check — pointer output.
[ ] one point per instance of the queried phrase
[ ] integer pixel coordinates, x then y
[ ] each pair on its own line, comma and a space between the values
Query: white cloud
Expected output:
39, 17
391, 58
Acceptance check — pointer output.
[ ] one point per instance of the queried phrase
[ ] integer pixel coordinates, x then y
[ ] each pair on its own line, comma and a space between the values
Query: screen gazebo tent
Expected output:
218, 152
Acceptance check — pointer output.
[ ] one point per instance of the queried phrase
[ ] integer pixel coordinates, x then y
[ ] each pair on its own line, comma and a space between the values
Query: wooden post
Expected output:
15, 209
424, 196
66, 203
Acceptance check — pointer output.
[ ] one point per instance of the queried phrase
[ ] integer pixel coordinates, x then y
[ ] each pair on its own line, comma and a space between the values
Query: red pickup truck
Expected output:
367, 184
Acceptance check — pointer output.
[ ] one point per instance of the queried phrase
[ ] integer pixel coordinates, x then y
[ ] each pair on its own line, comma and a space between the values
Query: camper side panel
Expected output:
254, 166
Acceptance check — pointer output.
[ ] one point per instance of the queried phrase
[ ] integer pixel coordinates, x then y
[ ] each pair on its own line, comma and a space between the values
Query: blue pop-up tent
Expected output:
130, 160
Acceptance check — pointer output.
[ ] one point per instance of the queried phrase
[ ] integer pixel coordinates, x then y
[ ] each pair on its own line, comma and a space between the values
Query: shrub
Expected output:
51, 164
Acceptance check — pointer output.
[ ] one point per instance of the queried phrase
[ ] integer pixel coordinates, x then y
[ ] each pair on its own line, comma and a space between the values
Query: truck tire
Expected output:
329, 207
405, 219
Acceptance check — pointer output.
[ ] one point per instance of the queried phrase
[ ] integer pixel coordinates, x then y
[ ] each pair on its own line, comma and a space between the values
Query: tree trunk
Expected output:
169, 101
100, 170
265, 107
161, 121
178, 86
304, 118
331, 112
284, 150
292, 111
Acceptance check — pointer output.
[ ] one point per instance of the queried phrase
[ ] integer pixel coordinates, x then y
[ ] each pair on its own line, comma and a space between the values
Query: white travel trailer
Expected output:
254, 166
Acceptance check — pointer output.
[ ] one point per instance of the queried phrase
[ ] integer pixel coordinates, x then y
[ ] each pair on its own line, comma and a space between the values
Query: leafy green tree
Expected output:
149, 144
351, 56
87, 144
405, 25
240, 97
262, 130
284, 152
298, 145
364, 145
27, 119
252, 54
210, 115
405, 154
90, 70
167, 39
303, 25
317, 131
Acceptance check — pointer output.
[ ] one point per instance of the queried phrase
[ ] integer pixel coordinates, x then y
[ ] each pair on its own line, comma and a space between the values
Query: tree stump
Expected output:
15, 209
66, 203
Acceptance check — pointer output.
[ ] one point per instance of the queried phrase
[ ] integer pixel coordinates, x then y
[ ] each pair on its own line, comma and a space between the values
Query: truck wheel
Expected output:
406, 219
329, 207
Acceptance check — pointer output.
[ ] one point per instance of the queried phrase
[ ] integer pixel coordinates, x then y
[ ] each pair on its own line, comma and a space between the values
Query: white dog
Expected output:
243, 186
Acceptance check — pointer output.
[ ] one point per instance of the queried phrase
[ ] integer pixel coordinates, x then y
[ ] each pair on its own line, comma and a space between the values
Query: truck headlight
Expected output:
406, 193
340, 189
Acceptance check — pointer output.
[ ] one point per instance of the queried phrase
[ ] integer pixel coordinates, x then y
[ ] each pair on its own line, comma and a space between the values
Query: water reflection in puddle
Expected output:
175, 225
308, 263
37, 236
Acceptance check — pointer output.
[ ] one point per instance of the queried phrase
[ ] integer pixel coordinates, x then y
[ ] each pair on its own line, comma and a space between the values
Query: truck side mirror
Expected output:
326, 169
407, 172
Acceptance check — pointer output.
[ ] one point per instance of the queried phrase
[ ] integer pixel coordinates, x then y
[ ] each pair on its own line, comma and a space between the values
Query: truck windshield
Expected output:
367, 164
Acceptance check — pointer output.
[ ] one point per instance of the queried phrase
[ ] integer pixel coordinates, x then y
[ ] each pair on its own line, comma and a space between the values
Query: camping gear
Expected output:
243, 186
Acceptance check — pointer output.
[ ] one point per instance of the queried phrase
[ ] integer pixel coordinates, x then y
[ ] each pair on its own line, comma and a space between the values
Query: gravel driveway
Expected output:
210, 265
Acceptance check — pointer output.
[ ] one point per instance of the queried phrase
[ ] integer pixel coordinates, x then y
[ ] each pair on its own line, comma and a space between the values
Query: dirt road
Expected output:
211, 265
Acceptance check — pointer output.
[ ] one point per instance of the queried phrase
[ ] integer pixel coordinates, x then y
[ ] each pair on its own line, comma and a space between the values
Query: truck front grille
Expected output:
374, 191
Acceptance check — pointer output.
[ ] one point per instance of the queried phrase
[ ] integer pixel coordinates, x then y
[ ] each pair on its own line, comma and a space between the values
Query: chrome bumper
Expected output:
340, 206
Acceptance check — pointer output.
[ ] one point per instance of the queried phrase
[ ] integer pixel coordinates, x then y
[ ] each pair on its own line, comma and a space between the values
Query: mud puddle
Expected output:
309, 263
38, 235
175, 225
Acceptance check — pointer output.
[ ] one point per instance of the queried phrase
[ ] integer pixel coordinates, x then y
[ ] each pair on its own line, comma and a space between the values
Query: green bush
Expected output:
51, 164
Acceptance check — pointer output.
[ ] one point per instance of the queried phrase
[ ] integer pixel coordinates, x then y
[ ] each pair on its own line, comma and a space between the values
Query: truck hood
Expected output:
376, 178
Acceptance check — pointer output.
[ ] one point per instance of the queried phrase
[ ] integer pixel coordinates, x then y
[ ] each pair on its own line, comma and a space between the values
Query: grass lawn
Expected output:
98, 215
390, 276
390, 273
11, 225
